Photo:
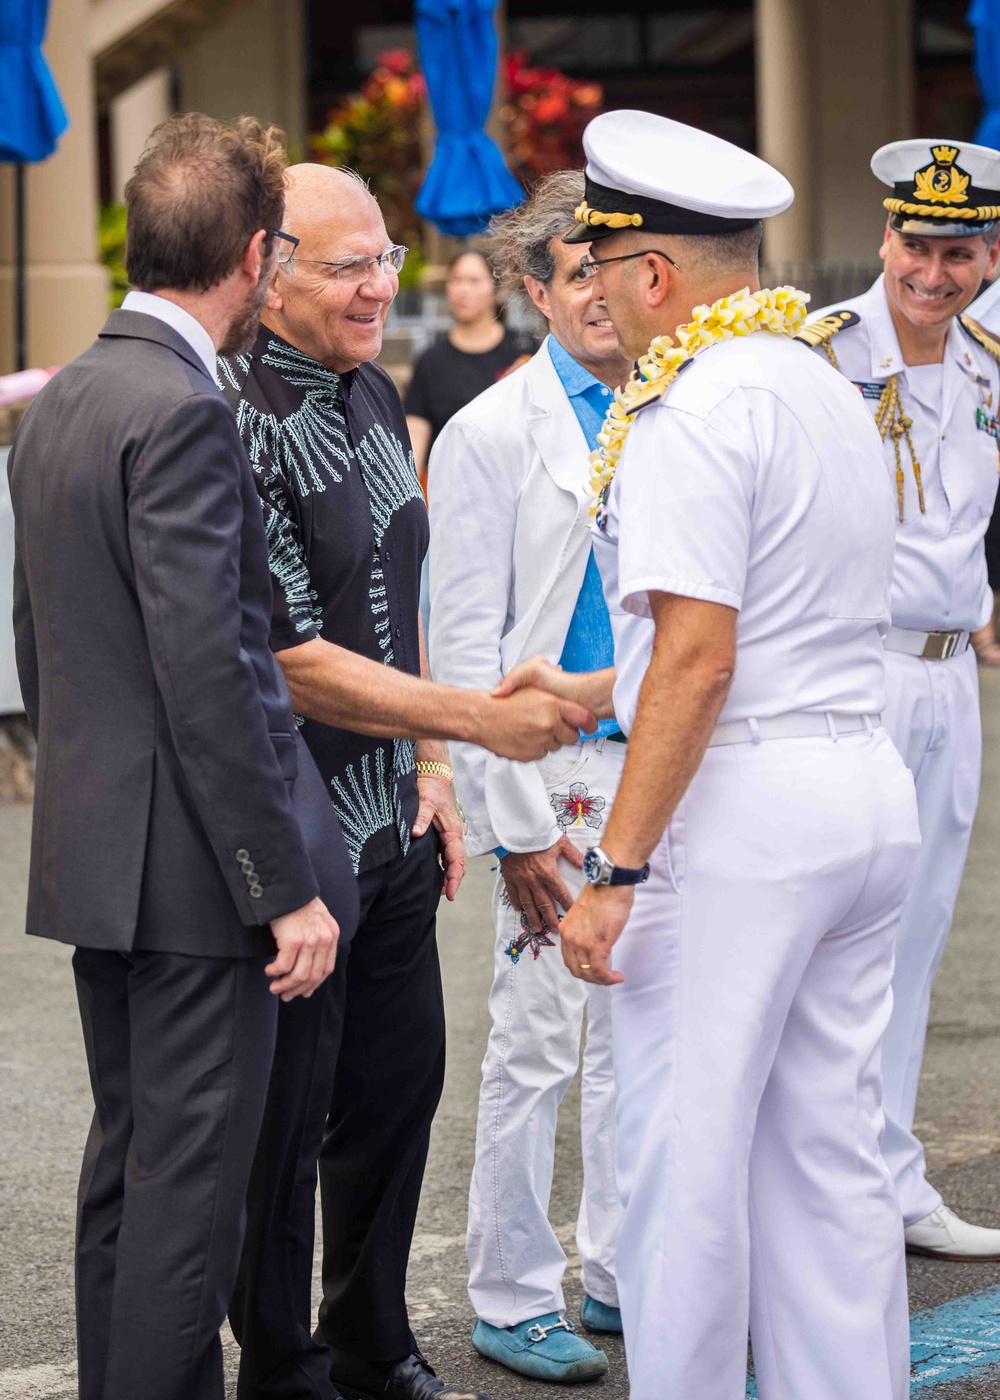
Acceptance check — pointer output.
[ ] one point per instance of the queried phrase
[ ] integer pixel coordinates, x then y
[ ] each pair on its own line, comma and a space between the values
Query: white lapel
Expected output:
887, 358
960, 370
554, 428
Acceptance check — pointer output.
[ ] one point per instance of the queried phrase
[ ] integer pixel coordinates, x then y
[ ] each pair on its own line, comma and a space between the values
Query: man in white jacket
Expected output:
513, 576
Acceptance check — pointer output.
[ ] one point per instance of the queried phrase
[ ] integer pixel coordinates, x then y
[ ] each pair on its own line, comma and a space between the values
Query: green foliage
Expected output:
376, 133
112, 240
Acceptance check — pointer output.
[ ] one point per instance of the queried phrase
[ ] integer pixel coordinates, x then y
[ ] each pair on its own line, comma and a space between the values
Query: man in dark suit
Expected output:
182, 835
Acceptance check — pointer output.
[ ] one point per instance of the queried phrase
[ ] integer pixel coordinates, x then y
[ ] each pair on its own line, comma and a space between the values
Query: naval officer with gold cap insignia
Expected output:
930, 378
745, 540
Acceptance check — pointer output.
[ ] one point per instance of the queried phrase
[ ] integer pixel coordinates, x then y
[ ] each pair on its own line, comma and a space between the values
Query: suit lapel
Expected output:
554, 428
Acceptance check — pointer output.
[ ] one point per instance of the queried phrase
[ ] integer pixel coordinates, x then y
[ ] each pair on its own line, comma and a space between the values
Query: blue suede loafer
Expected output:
598, 1317
545, 1348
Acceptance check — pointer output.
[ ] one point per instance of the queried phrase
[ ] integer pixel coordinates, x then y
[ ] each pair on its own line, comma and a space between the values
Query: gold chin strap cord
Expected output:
593, 217
892, 422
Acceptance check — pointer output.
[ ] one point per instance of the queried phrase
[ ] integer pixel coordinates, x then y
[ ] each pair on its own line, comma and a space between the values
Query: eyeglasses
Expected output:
357, 268
286, 246
589, 266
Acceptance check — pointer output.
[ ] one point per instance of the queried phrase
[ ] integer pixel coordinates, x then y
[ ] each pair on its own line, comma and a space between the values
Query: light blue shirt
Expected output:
589, 644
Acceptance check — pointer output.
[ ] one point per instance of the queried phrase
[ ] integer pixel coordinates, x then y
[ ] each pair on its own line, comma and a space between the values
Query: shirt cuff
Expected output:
501, 851
283, 638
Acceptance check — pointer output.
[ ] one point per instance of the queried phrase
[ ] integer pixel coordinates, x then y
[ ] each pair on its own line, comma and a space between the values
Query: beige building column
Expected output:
132, 117
253, 64
67, 286
834, 82
785, 102
863, 89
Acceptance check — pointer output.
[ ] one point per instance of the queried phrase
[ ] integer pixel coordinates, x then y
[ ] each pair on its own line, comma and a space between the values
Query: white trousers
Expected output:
757, 964
516, 1262
932, 714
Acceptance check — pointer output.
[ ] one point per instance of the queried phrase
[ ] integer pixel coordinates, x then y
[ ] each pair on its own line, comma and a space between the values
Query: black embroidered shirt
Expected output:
347, 532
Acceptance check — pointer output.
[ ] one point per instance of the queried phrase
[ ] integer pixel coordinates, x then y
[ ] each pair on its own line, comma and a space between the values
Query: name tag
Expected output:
868, 390
986, 424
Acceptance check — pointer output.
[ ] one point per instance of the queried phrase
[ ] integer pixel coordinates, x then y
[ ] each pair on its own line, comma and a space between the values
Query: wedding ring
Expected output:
585, 967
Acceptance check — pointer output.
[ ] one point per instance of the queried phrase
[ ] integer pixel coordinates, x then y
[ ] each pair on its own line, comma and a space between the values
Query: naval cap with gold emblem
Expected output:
944, 189
651, 173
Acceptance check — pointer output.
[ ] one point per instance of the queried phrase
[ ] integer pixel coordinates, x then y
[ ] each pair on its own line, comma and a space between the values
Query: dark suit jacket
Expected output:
142, 604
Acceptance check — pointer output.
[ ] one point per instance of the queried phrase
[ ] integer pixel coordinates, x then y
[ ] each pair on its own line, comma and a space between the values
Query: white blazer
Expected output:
510, 538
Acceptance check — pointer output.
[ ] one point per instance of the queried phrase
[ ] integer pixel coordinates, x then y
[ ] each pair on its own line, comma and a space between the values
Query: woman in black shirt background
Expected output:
477, 351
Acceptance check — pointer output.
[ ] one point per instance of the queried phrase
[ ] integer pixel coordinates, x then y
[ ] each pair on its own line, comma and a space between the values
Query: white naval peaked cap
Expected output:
646, 171
939, 187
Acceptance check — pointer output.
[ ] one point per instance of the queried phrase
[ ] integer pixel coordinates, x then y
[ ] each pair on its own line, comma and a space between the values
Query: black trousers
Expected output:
179, 1050
358, 1073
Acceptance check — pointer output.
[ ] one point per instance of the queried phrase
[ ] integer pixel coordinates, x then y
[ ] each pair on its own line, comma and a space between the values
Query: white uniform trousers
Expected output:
537, 1007
757, 964
932, 714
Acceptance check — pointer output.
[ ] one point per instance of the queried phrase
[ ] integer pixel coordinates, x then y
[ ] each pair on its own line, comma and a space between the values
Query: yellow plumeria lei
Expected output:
781, 311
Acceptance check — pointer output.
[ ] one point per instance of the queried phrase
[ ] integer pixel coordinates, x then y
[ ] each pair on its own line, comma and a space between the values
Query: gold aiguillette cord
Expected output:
892, 422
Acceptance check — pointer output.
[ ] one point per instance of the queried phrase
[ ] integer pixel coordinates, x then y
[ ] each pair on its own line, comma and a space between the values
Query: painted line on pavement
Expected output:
955, 1340
950, 1342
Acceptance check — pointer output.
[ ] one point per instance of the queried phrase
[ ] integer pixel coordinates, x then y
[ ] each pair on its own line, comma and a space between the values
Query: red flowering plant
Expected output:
545, 114
377, 133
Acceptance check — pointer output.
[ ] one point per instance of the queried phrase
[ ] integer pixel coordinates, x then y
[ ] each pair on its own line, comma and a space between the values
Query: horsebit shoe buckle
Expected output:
538, 1333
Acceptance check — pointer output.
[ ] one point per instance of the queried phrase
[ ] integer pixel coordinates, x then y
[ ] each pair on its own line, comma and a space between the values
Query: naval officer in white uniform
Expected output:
929, 377
746, 549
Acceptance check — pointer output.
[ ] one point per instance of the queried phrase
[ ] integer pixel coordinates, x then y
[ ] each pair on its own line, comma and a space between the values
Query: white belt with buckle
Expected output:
930, 646
797, 725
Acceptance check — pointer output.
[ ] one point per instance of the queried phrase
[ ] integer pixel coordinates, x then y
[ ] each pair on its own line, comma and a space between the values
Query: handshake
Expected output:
538, 708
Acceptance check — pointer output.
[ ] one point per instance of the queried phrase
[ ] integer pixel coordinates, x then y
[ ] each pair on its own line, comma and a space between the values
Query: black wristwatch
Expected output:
600, 869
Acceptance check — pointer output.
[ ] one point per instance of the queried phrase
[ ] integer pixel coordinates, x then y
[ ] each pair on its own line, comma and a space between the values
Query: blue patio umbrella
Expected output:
32, 117
983, 17
468, 180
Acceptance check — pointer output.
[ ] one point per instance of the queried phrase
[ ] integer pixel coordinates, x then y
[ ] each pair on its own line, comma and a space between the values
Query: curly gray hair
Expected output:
521, 238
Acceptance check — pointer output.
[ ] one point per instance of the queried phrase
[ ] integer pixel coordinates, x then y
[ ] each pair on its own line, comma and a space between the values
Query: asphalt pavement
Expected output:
45, 1108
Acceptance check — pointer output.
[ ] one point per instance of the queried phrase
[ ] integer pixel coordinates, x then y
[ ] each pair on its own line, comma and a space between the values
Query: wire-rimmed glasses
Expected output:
589, 266
356, 268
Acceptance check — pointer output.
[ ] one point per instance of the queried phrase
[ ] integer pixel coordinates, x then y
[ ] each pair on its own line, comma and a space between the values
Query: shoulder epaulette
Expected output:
824, 328
653, 392
657, 389
979, 333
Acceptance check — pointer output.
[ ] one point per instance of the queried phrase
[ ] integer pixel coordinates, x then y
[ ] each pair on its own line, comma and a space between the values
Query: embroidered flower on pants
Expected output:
526, 939
578, 808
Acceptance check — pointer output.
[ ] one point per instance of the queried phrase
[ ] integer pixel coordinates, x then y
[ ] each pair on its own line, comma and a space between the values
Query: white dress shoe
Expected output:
942, 1235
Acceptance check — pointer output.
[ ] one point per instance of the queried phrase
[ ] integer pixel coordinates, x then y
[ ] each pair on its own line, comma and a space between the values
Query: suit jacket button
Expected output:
242, 855
256, 891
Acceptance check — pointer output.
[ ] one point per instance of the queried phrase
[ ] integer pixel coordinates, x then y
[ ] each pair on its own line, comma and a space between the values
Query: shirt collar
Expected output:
332, 380
572, 375
179, 320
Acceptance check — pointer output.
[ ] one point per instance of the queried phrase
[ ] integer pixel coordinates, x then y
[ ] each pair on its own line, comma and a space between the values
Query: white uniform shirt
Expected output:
939, 582
755, 482
986, 308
